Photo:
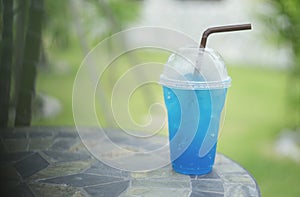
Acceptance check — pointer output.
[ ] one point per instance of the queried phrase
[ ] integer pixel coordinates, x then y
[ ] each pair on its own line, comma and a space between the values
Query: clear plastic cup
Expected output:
195, 83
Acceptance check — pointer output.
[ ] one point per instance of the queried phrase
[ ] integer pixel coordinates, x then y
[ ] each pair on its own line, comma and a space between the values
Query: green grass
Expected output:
255, 114
57, 81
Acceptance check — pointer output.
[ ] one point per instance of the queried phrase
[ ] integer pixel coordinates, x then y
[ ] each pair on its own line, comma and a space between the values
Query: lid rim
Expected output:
195, 85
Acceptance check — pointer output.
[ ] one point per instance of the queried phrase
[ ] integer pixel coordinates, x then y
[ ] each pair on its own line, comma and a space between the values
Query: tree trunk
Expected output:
19, 41
30, 61
6, 61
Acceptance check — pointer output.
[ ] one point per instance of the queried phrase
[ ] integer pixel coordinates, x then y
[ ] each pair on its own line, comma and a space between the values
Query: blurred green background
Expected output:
262, 102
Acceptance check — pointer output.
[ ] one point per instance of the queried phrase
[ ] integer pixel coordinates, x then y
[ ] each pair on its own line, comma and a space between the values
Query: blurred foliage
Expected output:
78, 25
283, 23
65, 25
123, 11
102, 18
57, 22
98, 19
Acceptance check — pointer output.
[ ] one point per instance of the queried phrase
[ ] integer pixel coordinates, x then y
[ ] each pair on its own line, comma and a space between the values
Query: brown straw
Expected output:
219, 29
222, 29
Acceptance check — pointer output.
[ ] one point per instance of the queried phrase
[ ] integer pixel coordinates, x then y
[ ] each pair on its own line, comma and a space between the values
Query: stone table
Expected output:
52, 161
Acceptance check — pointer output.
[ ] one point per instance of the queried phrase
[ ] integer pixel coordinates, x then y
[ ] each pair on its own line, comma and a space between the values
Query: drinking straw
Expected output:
219, 29
208, 143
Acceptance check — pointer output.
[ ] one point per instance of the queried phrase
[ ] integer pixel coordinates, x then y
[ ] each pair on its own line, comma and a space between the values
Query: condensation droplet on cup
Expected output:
180, 146
212, 135
168, 97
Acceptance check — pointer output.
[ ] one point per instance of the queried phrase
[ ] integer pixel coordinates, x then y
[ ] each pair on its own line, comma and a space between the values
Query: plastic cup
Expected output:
194, 101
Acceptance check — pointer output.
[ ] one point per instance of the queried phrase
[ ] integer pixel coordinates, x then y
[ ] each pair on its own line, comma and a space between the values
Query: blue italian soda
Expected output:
193, 120
195, 83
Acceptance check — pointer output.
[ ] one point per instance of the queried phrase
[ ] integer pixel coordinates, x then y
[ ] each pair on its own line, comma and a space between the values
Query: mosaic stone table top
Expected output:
52, 161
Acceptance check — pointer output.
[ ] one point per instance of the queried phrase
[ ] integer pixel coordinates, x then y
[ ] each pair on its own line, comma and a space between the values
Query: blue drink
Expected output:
195, 82
194, 119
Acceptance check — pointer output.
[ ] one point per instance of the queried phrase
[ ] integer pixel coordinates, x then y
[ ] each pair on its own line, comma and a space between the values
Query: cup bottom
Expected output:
187, 171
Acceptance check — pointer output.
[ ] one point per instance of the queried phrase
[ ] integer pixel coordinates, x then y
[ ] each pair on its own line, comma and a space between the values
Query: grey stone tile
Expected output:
134, 161
81, 193
221, 159
111, 189
40, 133
122, 138
30, 165
63, 144
160, 183
165, 172
40, 143
9, 179
66, 134
156, 192
102, 169
61, 169
81, 180
20, 190
56, 156
229, 168
207, 185
240, 190
79, 147
53, 129
2, 147
58, 129
31, 129
49, 190
11, 134
7, 186
193, 177
68, 157
205, 194
8, 172
14, 156
4, 130
212, 175
16, 145
239, 178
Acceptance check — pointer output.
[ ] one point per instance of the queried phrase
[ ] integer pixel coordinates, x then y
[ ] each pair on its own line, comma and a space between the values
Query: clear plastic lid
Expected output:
195, 68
